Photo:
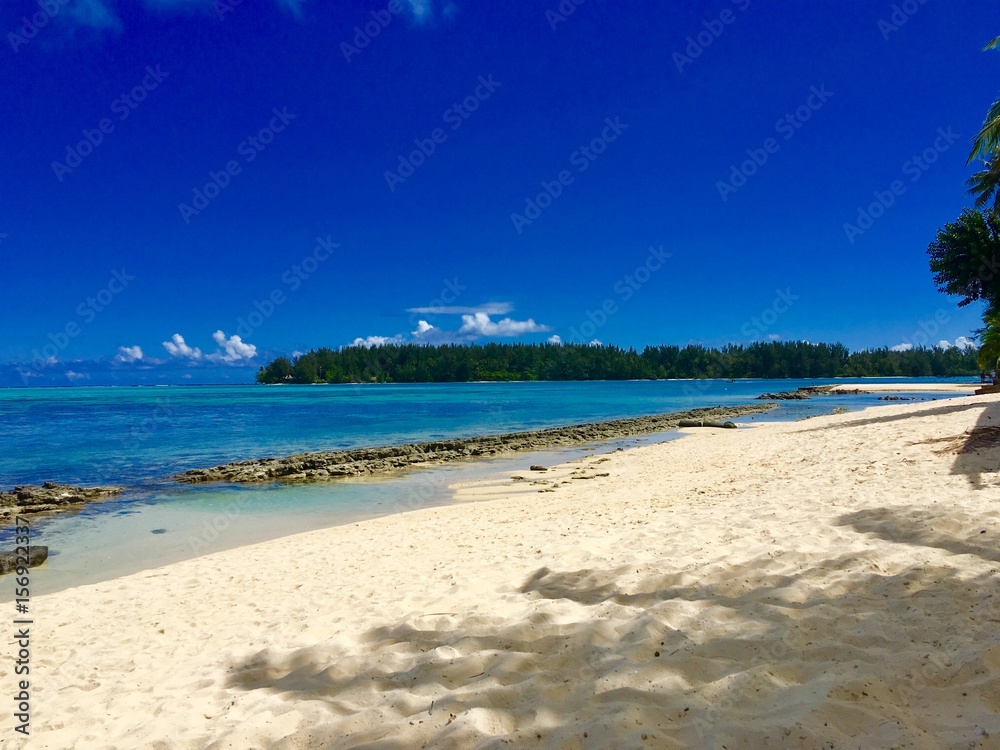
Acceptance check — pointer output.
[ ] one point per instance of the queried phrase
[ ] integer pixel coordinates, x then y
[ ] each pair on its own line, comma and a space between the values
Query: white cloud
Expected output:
490, 308
74, 376
370, 341
555, 338
962, 342
596, 342
423, 327
901, 347
129, 354
773, 336
177, 348
480, 324
234, 349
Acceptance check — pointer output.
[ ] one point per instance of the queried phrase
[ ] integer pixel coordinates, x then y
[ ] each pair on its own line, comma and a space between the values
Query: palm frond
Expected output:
989, 349
985, 186
987, 140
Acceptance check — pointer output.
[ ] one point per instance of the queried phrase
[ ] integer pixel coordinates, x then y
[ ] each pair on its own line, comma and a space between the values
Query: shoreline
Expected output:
836, 578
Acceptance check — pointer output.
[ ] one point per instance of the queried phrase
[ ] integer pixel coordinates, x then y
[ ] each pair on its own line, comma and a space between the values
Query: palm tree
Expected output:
989, 349
985, 185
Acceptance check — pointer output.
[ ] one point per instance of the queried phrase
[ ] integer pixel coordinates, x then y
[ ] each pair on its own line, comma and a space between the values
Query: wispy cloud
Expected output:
93, 14
430, 11
490, 308
904, 347
101, 14
480, 324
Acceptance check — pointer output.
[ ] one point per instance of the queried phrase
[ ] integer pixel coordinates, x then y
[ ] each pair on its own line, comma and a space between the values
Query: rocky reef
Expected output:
321, 466
809, 391
50, 496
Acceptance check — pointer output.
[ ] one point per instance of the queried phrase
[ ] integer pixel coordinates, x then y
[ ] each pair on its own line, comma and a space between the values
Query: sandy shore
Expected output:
909, 387
827, 583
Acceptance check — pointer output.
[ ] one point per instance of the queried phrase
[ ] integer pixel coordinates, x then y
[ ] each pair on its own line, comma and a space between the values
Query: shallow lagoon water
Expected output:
140, 436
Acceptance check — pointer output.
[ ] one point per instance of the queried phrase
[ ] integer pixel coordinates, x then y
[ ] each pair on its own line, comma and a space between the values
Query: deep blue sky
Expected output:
884, 96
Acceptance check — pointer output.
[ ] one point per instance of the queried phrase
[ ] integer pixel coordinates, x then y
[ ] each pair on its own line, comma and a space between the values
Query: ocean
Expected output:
140, 436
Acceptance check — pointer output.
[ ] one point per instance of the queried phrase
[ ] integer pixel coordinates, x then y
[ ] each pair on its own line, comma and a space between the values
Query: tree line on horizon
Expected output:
415, 363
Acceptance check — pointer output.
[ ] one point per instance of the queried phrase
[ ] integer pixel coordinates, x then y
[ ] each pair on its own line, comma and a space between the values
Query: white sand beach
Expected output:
827, 583
877, 387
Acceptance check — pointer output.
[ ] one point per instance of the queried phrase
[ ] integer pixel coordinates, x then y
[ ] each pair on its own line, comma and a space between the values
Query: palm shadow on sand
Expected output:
976, 451
884, 649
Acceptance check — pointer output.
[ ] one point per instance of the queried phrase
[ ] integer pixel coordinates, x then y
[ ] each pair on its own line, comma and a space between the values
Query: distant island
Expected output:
412, 363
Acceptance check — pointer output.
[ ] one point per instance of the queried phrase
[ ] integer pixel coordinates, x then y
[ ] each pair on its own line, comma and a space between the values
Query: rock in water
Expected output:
50, 496
36, 556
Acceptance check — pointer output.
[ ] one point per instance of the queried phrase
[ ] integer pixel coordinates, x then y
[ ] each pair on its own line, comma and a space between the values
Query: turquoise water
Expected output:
140, 436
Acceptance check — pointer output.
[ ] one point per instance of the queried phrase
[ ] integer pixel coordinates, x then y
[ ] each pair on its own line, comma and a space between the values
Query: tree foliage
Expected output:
411, 363
965, 258
985, 185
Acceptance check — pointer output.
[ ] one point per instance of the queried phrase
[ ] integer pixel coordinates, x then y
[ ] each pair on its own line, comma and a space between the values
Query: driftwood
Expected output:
703, 423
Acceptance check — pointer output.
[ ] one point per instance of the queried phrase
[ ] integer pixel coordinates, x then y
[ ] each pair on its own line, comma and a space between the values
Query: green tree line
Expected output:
412, 363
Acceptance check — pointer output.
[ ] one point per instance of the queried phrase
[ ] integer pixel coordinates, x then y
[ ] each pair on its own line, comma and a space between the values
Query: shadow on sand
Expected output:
763, 654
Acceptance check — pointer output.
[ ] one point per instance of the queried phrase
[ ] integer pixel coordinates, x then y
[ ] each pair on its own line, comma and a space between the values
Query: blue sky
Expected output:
300, 174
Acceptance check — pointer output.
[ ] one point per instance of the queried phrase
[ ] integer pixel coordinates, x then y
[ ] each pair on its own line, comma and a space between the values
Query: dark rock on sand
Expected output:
536, 467
36, 556
50, 496
318, 467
